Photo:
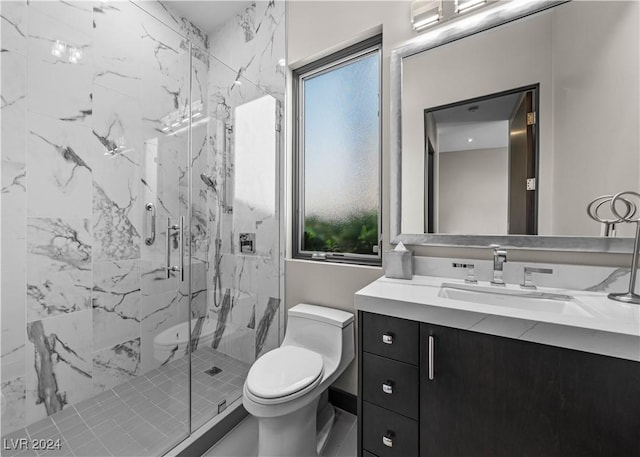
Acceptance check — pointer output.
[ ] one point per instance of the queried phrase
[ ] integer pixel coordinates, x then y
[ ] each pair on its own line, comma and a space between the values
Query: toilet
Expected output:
286, 388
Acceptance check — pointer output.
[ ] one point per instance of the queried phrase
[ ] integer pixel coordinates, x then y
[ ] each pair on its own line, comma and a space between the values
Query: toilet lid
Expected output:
284, 371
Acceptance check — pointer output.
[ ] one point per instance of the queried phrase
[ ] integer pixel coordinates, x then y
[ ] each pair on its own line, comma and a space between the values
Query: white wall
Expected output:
472, 191
597, 110
315, 29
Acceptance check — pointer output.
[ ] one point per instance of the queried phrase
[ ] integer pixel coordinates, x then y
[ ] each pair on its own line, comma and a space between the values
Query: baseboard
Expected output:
343, 400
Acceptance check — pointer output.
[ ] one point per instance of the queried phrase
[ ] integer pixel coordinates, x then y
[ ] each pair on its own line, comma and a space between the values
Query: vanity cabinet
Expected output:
479, 394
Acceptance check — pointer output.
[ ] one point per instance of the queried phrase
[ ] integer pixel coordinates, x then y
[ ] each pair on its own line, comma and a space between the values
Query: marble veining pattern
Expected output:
116, 302
265, 326
115, 365
58, 174
115, 235
59, 361
58, 266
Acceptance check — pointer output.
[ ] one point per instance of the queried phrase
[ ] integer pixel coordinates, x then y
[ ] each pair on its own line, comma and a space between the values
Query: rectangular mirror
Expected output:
504, 130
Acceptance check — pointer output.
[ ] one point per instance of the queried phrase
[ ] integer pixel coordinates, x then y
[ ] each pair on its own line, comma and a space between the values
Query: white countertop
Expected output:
603, 326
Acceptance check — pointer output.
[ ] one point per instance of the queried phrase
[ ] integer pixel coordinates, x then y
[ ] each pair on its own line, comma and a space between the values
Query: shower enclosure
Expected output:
141, 242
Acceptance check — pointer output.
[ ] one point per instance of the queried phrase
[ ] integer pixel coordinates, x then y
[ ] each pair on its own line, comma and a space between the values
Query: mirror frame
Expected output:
448, 32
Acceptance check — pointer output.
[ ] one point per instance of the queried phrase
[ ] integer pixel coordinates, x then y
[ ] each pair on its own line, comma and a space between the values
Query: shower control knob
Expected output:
387, 338
387, 387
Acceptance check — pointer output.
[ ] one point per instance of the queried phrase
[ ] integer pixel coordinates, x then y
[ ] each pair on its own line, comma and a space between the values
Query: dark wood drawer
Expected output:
378, 423
390, 384
401, 335
367, 454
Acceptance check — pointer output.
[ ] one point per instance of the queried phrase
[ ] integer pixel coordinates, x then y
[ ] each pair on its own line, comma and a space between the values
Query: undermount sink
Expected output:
520, 299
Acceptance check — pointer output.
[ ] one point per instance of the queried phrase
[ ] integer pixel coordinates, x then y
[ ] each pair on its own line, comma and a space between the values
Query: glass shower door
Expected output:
235, 270
165, 331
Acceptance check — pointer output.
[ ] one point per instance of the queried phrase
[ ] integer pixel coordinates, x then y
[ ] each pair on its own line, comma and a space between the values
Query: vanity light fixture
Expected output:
425, 13
462, 6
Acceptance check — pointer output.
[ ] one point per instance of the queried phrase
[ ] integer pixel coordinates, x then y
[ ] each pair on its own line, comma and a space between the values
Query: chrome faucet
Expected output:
527, 282
471, 272
499, 258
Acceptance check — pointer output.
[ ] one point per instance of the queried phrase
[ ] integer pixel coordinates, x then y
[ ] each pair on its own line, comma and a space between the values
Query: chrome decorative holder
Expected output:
630, 296
609, 225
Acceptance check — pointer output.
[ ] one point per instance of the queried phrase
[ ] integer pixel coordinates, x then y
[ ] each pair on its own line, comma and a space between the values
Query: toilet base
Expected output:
275, 437
324, 421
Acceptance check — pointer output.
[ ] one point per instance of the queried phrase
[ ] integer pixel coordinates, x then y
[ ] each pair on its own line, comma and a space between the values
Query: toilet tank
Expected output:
326, 331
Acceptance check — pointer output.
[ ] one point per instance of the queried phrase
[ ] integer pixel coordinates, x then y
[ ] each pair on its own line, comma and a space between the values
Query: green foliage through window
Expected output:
357, 234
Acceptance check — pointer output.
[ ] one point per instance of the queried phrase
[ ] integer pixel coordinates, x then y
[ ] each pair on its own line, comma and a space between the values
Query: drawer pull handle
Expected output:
387, 387
387, 338
432, 344
387, 440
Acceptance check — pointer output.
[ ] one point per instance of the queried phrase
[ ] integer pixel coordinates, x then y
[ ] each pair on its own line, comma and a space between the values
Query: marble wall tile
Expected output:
75, 14
59, 364
13, 194
116, 303
166, 15
13, 405
164, 102
58, 266
117, 127
116, 164
13, 34
117, 28
159, 312
239, 344
254, 42
59, 175
115, 365
163, 50
267, 331
115, 232
153, 277
56, 86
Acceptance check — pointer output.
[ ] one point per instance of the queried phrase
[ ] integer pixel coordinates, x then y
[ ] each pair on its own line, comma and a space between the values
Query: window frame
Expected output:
331, 62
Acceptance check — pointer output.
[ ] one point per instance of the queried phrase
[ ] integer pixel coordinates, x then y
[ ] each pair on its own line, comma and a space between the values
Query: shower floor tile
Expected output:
143, 417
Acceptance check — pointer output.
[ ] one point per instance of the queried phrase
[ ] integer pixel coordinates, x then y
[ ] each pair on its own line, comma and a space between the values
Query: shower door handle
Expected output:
179, 228
151, 208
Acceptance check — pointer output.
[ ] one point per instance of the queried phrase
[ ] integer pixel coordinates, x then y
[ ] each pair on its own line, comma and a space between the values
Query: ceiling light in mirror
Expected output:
463, 6
425, 13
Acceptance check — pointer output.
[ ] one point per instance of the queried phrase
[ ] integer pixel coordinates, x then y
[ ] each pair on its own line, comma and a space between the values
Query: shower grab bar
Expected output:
179, 228
151, 208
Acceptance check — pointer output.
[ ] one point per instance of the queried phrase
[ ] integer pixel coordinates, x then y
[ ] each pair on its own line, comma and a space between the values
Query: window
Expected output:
337, 142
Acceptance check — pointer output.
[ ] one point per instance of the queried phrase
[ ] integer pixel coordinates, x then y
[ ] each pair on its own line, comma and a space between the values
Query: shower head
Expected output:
208, 181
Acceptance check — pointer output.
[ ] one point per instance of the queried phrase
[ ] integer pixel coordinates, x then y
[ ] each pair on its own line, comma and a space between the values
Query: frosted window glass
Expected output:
341, 158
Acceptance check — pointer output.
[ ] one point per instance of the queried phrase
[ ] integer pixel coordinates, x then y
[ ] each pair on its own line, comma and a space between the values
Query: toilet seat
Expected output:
284, 374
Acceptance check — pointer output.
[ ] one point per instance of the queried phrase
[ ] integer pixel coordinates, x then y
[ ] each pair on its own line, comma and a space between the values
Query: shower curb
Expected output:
211, 432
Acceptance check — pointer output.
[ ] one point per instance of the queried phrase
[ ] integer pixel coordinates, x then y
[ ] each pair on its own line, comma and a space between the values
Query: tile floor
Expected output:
242, 441
142, 417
